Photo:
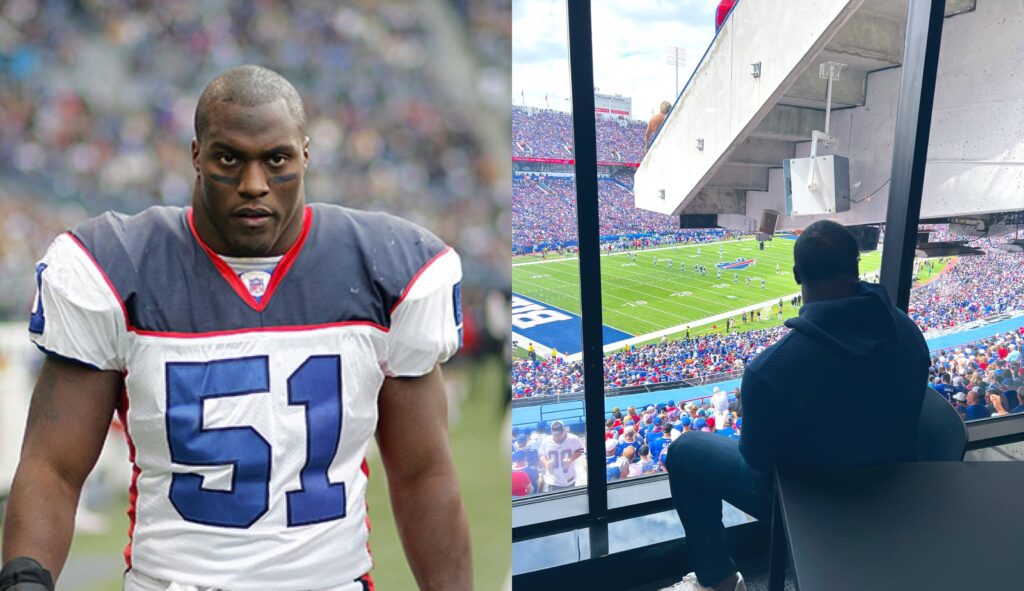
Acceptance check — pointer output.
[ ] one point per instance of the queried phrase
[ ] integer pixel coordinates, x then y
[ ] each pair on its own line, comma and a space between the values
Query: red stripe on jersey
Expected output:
415, 277
276, 277
367, 579
133, 488
110, 284
256, 329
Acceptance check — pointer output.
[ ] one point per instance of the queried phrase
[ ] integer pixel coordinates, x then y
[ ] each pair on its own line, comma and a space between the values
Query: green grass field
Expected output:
643, 297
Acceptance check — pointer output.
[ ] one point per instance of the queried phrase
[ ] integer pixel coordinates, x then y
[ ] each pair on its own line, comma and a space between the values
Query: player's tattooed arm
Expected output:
68, 420
421, 477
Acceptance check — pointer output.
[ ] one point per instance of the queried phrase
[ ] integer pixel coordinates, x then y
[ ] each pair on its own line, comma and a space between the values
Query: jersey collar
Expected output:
277, 277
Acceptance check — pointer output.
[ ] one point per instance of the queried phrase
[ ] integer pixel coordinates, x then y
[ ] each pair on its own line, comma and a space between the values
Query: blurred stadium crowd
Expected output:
97, 98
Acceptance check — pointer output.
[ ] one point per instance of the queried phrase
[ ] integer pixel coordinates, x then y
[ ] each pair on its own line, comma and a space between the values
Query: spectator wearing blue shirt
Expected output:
629, 439
976, 408
944, 387
1018, 397
727, 428
662, 440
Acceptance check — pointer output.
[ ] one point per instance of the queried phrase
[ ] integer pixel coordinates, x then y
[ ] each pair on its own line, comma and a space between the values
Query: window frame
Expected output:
910, 146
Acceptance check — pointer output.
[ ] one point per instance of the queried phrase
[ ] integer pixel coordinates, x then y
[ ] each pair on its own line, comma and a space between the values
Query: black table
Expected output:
915, 526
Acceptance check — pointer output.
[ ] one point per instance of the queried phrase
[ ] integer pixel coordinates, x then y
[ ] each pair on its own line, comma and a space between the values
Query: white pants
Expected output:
136, 581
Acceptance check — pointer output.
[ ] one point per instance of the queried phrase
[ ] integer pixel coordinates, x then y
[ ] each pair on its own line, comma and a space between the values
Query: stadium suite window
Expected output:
548, 408
968, 275
958, 303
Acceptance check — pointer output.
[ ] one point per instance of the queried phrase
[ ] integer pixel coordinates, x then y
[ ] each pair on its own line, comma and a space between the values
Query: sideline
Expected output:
637, 250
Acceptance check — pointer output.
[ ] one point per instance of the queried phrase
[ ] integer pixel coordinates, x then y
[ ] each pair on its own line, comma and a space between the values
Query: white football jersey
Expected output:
562, 471
248, 422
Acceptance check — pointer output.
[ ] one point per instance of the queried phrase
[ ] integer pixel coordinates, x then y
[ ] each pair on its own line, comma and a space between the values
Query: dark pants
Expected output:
703, 470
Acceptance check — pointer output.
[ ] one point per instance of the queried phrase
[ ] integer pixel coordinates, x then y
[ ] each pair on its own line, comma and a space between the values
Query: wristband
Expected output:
25, 574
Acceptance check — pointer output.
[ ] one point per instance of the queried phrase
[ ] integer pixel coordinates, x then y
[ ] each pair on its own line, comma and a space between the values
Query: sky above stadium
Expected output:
631, 43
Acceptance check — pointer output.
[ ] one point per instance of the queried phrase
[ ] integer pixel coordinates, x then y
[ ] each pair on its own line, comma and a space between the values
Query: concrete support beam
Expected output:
739, 177
959, 6
848, 91
761, 152
712, 200
790, 124
870, 37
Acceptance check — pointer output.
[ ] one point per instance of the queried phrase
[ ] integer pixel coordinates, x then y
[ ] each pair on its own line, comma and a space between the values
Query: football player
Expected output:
252, 345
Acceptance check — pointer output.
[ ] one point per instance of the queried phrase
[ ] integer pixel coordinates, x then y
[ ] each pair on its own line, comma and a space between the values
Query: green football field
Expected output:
647, 295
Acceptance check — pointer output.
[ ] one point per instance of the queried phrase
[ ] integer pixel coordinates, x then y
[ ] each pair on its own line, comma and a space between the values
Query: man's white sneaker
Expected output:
690, 583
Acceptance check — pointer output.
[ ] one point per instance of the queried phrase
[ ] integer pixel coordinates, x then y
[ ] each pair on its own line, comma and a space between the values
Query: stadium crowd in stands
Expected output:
544, 133
974, 287
698, 358
96, 103
984, 378
636, 441
544, 213
980, 379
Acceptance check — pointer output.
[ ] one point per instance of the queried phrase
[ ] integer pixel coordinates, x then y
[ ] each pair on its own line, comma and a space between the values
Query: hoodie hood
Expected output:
865, 320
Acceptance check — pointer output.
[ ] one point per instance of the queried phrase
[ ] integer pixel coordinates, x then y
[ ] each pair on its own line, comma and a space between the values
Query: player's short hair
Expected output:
248, 86
665, 106
825, 250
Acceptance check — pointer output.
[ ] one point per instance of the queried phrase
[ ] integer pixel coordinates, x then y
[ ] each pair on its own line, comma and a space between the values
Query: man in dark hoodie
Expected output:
847, 333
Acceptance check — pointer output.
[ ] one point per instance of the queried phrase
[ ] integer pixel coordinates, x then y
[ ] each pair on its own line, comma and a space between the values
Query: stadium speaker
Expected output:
867, 237
698, 220
769, 222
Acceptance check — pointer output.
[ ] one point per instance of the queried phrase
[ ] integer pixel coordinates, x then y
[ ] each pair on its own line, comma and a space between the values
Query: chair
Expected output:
941, 436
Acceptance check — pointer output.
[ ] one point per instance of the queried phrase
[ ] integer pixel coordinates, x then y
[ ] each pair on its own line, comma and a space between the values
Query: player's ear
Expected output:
195, 155
305, 152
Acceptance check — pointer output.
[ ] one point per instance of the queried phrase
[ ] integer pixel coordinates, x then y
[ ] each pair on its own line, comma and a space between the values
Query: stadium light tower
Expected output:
676, 57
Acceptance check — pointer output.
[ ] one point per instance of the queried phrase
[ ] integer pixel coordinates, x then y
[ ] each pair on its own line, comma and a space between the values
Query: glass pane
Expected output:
674, 298
698, 274
965, 300
550, 551
969, 274
547, 376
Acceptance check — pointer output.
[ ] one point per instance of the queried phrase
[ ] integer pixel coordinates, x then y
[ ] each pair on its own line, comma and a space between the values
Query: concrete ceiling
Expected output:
871, 40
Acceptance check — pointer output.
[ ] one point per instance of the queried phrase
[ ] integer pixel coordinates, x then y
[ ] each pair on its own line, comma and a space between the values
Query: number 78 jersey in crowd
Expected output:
249, 418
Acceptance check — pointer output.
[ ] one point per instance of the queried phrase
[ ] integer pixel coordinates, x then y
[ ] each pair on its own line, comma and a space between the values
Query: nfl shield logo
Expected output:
256, 282
256, 285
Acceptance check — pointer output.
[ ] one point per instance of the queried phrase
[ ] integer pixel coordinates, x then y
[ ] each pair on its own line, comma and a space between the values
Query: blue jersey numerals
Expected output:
37, 321
315, 385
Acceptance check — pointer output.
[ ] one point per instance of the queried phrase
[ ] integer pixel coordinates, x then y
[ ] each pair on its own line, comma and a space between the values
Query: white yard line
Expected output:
702, 322
622, 252
682, 327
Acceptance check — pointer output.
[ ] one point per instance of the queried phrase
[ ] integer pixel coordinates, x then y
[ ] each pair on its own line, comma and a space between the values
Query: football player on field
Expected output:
252, 345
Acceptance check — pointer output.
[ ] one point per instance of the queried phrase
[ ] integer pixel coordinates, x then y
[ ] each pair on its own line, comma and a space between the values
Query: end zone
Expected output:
548, 327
